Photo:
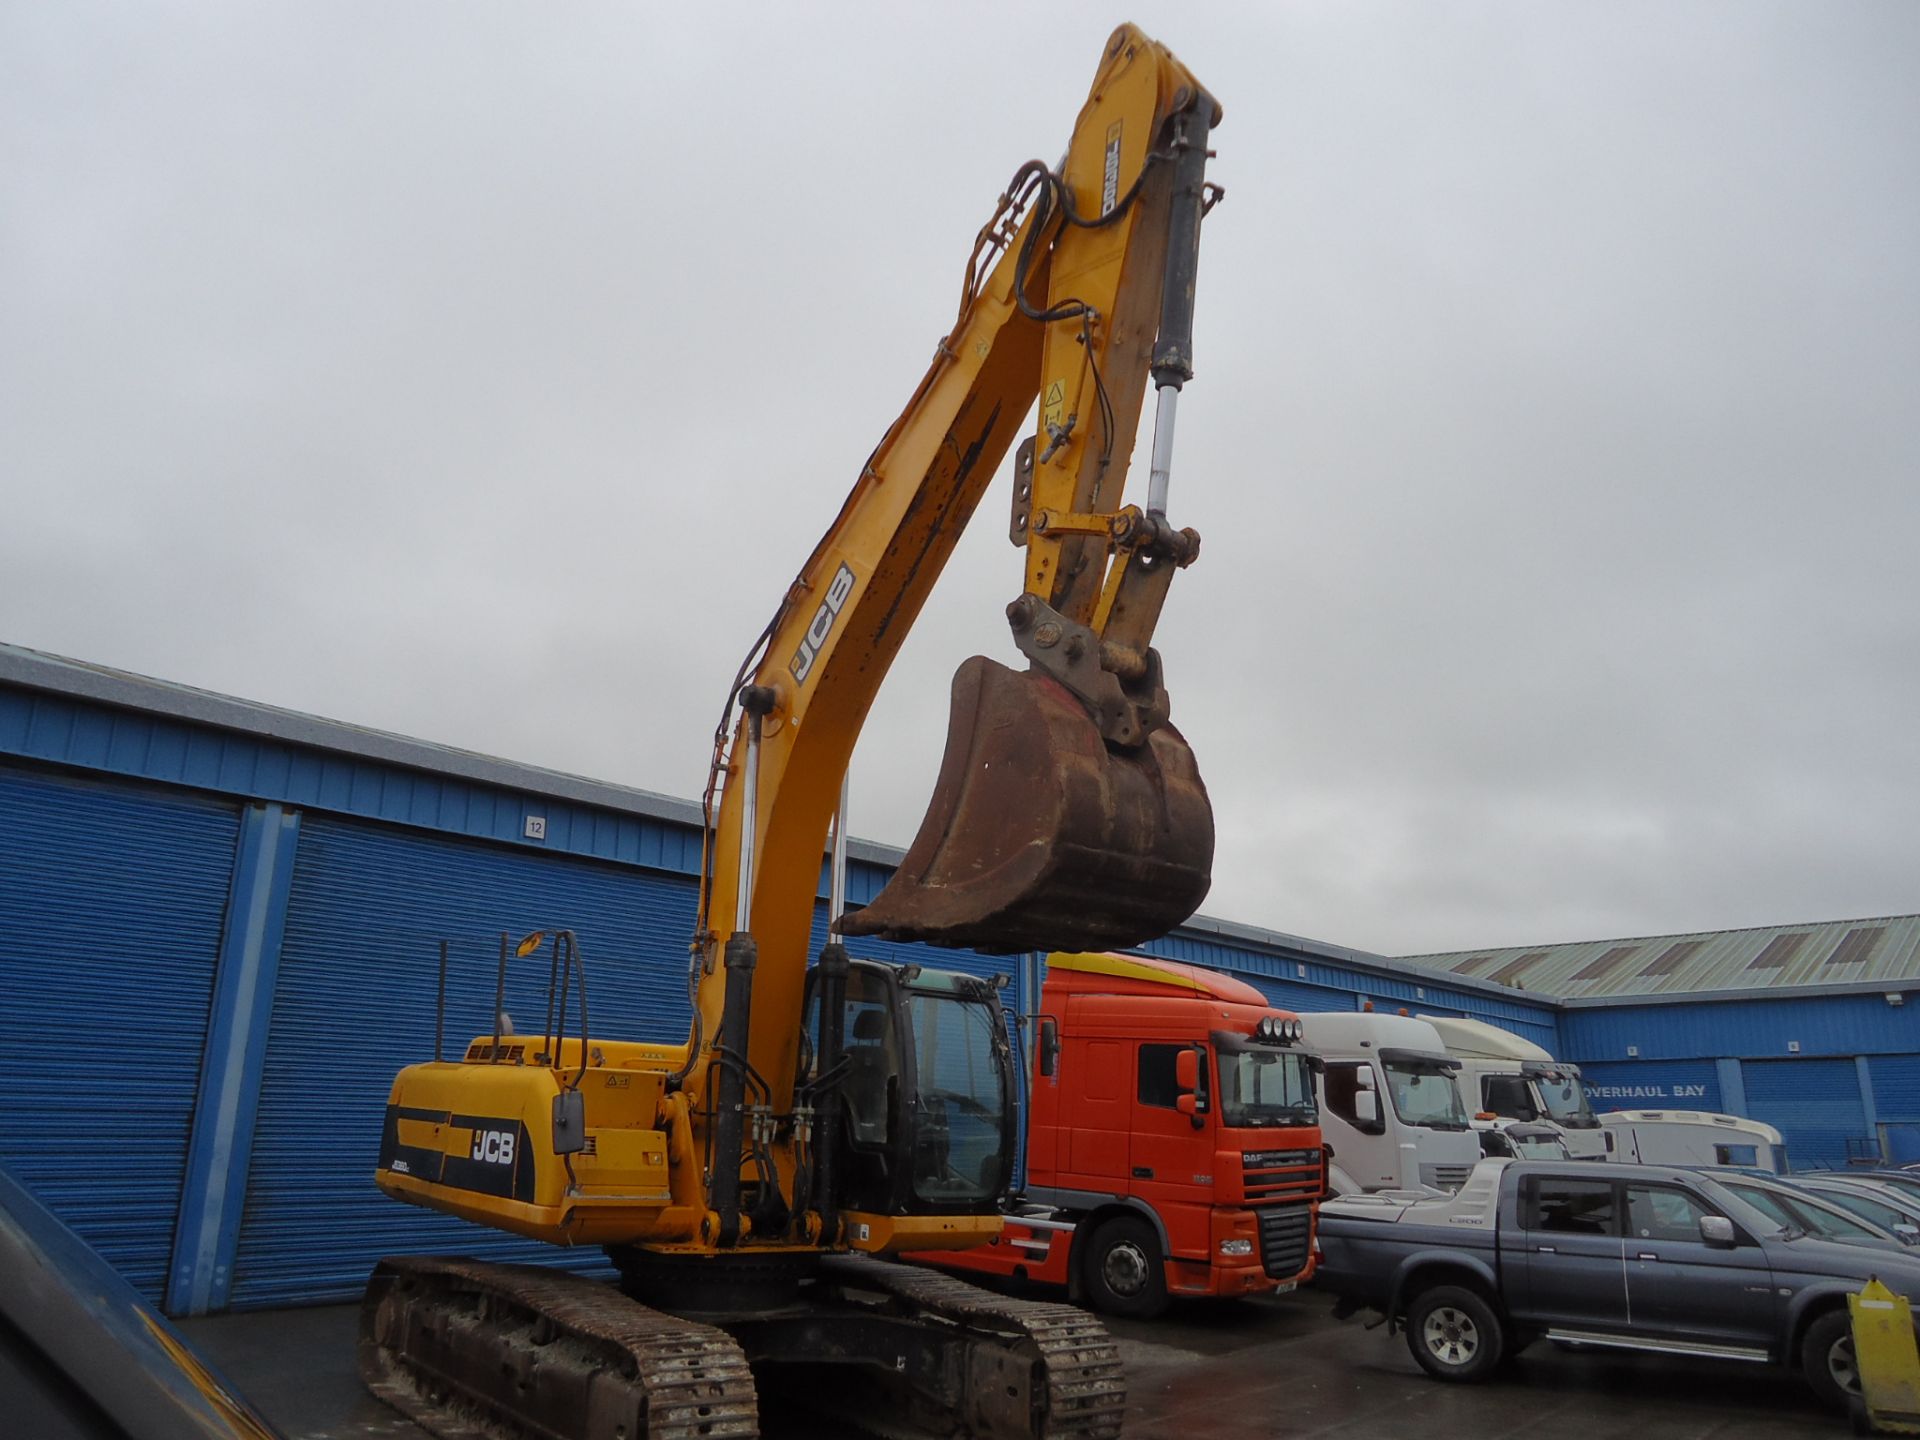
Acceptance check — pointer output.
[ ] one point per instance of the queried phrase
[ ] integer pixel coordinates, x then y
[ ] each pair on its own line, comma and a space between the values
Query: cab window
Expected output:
1657, 1213
1572, 1207
1158, 1085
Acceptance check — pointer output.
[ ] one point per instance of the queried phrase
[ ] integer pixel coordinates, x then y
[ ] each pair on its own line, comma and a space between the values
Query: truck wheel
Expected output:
1125, 1271
1454, 1334
1827, 1361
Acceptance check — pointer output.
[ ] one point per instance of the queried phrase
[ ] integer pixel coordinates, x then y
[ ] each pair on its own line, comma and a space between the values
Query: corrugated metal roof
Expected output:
1773, 957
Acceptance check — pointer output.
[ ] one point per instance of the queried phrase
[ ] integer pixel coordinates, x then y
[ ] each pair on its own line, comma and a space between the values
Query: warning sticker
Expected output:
1053, 405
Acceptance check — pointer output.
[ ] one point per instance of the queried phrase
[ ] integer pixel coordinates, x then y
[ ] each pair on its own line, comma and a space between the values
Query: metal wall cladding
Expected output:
113, 903
1756, 1029
1815, 1105
1651, 1084
355, 1002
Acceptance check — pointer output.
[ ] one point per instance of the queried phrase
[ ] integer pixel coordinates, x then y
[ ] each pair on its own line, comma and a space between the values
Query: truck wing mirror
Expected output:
1186, 1073
1366, 1107
1049, 1045
1717, 1231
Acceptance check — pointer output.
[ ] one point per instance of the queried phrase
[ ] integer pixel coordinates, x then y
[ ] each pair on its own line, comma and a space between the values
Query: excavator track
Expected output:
1023, 1370
475, 1351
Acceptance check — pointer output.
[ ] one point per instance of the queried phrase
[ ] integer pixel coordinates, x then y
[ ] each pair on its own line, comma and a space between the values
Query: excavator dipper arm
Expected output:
1069, 814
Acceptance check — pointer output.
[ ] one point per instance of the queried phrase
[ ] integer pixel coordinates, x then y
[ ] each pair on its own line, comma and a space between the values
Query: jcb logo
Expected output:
802, 663
493, 1146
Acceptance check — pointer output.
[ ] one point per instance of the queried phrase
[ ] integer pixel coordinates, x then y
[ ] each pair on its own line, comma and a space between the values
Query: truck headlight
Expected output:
1236, 1247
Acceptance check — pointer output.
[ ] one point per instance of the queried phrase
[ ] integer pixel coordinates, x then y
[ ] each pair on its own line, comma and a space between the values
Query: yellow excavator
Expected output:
822, 1116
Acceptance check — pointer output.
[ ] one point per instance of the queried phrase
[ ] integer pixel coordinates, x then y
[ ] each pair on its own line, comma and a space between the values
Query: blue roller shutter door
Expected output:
1896, 1087
1815, 1104
355, 1002
112, 903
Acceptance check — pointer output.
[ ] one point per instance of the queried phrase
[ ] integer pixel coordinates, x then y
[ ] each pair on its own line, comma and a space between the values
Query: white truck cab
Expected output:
1693, 1137
1391, 1114
1508, 1076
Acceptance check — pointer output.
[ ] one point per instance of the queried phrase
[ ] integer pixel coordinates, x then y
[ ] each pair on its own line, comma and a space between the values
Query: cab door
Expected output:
1172, 1158
1571, 1249
1682, 1288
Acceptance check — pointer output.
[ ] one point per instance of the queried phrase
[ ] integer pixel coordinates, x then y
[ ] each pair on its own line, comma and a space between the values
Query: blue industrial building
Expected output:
225, 920
1806, 1027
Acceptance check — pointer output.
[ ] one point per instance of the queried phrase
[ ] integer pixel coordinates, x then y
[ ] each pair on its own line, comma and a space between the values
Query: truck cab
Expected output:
1505, 1075
1392, 1111
1173, 1140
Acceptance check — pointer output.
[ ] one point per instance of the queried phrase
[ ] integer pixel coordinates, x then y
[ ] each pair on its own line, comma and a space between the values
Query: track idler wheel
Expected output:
1041, 836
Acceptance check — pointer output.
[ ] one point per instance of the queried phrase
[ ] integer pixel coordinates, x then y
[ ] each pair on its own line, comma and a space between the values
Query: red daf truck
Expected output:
1173, 1142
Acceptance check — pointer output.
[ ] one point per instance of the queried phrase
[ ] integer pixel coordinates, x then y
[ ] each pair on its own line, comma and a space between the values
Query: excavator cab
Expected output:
924, 1076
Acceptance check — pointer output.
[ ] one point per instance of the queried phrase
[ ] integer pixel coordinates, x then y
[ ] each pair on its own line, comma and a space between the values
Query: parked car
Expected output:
1816, 1215
1602, 1255
1905, 1181
1888, 1208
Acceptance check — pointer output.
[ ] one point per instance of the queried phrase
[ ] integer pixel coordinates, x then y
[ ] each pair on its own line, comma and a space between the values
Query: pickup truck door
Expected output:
1679, 1287
1571, 1272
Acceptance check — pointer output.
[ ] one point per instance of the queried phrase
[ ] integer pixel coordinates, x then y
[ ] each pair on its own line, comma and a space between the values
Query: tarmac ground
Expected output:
1232, 1371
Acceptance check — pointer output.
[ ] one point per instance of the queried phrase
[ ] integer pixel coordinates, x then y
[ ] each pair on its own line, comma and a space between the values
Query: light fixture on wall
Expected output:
1633, 1051
1793, 1047
1895, 998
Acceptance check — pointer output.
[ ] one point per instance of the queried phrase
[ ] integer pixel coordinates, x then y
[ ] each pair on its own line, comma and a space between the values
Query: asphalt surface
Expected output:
1232, 1371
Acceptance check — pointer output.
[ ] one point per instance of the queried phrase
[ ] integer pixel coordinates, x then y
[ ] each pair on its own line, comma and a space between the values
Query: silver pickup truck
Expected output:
1600, 1254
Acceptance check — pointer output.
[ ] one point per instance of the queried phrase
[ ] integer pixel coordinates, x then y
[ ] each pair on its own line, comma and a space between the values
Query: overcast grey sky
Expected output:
485, 372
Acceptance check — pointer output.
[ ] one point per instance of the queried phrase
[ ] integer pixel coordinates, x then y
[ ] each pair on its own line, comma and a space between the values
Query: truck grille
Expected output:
1286, 1235
1445, 1177
1279, 1174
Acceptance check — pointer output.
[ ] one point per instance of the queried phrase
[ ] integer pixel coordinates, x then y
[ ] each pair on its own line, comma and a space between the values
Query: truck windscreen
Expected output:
1266, 1087
1425, 1095
1566, 1100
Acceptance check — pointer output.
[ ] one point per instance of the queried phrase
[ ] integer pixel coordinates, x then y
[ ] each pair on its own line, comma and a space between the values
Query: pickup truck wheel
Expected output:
1827, 1360
1125, 1271
1454, 1334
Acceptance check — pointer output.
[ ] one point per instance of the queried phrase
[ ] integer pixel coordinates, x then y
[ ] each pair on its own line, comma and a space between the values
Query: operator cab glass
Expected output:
926, 1089
960, 1128
1263, 1085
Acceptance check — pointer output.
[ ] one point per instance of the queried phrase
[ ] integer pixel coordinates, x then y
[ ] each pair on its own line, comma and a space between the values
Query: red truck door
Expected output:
1170, 1158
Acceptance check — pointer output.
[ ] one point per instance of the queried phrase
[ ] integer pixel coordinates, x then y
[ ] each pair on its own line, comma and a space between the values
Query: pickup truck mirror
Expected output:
1717, 1230
1366, 1108
1907, 1234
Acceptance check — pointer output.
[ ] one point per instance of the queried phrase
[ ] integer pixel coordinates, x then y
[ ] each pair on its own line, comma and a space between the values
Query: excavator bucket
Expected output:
1043, 837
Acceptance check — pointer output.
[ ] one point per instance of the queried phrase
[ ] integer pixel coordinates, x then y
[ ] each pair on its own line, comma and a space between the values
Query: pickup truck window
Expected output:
1572, 1207
1658, 1213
